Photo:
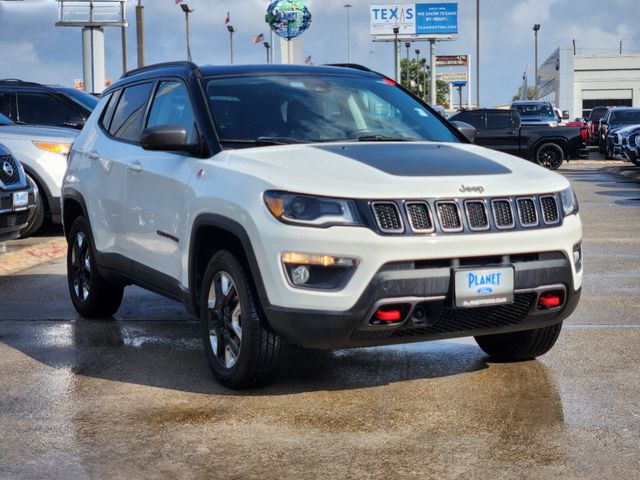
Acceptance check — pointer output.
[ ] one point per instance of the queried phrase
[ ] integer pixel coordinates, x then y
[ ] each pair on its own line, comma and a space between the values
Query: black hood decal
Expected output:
418, 160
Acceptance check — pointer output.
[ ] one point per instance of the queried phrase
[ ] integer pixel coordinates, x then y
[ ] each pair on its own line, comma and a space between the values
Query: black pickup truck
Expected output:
501, 130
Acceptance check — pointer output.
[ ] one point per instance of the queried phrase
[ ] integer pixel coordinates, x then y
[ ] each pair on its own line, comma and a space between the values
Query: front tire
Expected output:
550, 155
240, 349
91, 294
522, 345
37, 219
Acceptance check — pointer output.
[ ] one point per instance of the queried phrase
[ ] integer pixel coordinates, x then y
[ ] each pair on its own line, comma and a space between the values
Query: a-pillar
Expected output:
93, 59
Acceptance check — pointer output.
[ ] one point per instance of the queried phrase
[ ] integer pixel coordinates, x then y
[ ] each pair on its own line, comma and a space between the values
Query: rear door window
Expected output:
475, 119
45, 109
129, 114
499, 120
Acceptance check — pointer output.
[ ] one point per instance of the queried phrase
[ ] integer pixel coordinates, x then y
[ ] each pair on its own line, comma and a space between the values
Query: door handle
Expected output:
93, 155
135, 166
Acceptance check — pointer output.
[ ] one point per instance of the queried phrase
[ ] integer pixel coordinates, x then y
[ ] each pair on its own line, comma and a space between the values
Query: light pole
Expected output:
231, 32
396, 53
418, 62
407, 46
267, 45
348, 7
185, 9
140, 33
478, 53
536, 27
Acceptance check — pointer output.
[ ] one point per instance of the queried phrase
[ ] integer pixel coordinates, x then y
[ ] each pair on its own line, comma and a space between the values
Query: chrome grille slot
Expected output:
502, 213
12, 176
476, 215
527, 212
419, 217
550, 212
387, 217
449, 216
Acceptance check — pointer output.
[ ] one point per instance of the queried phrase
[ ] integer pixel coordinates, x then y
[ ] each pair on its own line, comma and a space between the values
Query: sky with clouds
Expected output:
32, 48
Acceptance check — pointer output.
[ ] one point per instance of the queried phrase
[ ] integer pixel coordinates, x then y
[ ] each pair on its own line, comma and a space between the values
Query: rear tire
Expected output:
522, 345
550, 155
37, 219
91, 294
240, 348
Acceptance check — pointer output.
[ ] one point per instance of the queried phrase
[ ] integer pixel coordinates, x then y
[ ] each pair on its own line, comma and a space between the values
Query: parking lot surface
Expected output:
133, 397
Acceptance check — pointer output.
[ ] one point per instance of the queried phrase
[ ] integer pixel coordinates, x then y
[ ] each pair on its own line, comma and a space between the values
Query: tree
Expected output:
414, 77
531, 93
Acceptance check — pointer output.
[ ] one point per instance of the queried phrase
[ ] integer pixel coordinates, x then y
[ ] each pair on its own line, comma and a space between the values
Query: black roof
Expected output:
186, 69
487, 110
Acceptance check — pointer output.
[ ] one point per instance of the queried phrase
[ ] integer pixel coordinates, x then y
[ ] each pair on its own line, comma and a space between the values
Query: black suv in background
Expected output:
502, 130
33, 103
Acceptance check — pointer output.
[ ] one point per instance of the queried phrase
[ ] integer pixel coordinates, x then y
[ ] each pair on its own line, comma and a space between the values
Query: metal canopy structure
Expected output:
93, 16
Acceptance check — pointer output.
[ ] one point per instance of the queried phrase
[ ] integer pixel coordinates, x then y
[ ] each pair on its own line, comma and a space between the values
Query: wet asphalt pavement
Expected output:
134, 398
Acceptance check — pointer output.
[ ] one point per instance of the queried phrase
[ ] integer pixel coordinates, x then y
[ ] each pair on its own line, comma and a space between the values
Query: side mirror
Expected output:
469, 131
166, 138
565, 114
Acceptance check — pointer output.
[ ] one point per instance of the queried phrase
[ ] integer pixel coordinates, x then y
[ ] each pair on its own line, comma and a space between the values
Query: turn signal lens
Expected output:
59, 148
317, 260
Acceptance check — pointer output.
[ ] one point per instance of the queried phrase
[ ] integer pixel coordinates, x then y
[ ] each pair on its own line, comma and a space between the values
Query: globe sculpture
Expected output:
288, 18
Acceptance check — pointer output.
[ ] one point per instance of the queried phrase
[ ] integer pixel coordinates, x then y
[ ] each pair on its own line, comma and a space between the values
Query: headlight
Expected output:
59, 148
311, 211
569, 201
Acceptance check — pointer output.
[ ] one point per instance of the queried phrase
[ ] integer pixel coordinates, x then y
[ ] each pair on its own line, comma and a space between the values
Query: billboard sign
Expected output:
452, 60
423, 19
451, 77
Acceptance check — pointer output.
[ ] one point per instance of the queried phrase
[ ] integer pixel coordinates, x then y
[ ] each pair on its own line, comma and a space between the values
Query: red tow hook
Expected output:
549, 300
388, 315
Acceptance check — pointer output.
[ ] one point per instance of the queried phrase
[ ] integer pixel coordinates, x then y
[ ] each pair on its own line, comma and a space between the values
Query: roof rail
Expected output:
355, 66
190, 65
17, 81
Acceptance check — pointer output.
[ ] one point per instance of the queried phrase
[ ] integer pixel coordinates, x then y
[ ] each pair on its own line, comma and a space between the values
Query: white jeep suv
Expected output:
321, 206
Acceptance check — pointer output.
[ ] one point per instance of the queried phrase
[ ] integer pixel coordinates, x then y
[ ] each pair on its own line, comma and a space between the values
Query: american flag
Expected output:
258, 39
178, 1
227, 20
308, 60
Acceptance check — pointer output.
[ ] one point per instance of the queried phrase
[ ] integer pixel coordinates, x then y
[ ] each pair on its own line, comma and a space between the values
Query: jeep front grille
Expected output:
388, 217
6, 178
476, 215
527, 212
449, 216
502, 214
420, 217
549, 209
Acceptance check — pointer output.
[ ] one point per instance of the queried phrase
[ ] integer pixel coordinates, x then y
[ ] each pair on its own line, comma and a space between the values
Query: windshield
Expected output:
85, 100
625, 117
5, 120
305, 108
597, 114
535, 110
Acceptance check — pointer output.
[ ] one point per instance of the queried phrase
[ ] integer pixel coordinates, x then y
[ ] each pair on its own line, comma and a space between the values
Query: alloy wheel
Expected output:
550, 157
224, 319
81, 267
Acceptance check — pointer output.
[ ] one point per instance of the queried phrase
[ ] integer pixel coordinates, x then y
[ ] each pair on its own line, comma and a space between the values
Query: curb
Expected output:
28, 257
631, 173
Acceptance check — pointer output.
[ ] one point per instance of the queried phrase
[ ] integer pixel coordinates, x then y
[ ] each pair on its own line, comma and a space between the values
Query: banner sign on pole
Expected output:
452, 60
451, 77
425, 19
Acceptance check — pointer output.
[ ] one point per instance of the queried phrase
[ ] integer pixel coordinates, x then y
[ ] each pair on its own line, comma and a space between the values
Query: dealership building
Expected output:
577, 83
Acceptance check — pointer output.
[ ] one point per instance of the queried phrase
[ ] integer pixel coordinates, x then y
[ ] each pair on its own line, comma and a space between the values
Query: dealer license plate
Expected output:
484, 287
20, 200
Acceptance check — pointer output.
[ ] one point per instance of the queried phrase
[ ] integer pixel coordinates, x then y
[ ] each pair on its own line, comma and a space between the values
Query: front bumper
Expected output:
12, 221
431, 288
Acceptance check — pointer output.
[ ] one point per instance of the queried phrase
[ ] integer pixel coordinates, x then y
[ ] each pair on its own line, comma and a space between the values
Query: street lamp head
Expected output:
417, 51
348, 6
231, 29
266, 44
185, 8
536, 27
396, 30
407, 44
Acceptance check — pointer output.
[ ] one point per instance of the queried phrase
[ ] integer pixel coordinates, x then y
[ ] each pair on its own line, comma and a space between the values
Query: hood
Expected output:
59, 134
393, 170
623, 129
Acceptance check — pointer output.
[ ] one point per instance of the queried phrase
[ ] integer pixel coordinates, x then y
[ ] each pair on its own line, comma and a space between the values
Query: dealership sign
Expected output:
451, 77
452, 60
425, 19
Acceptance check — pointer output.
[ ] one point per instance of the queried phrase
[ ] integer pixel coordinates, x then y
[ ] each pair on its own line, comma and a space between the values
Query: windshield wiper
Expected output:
277, 141
383, 138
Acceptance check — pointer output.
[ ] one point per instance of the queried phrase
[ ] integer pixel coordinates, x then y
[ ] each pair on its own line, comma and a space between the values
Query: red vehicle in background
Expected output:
593, 123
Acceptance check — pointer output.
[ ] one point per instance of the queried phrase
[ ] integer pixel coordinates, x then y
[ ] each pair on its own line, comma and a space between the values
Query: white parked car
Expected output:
42, 151
321, 206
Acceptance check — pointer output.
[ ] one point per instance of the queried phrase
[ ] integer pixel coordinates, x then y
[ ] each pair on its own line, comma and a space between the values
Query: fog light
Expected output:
300, 275
577, 256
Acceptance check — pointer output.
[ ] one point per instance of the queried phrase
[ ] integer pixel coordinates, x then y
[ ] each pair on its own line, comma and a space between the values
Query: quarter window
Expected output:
129, 114
499, 120
171, 106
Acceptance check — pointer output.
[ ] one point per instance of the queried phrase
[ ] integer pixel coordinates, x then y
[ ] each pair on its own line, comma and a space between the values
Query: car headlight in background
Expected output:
569, 201
311, 211
59, 148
